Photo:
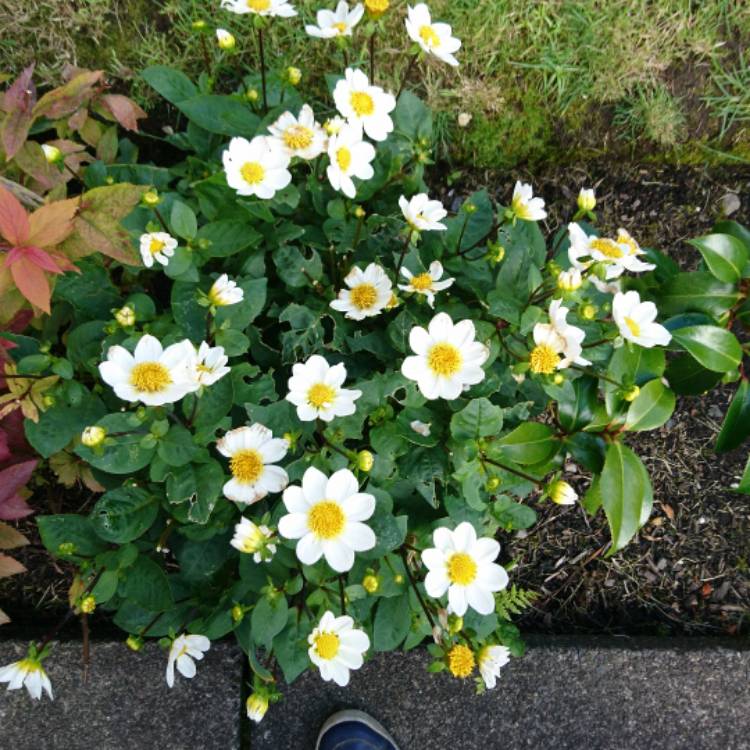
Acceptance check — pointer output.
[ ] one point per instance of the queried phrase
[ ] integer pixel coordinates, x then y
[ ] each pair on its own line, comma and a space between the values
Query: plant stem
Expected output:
595, 374
161, 219
510, 469
404, 250
262, 69
206, 56
372, 58
413, 584
409, 67
342, 595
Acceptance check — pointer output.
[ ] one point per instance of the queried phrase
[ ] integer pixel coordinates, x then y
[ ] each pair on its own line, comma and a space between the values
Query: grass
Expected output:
540, 78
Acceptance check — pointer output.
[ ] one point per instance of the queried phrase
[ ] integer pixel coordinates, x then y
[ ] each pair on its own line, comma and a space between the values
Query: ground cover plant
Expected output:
314, 403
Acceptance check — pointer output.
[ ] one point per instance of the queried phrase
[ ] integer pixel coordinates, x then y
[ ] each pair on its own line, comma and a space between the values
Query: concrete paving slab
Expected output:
125, 703
611, 694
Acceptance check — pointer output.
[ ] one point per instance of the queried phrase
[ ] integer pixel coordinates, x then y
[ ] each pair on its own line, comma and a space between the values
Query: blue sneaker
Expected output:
354, 730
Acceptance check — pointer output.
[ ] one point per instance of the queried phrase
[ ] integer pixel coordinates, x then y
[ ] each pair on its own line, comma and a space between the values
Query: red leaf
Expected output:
31, 282
18, 102
12, 426
21, 94
14, 221
9, 566
51, 224
124, 110
12, 480
68, 98
5, 453
34, 254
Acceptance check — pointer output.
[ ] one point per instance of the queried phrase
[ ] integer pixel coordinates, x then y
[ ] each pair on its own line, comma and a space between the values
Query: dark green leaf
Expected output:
479, 418
736, 426
268, 619
715, 348
69, 529
651, 408
529, 443
146, 584
724, 255
392, 623
124, 514
172, 84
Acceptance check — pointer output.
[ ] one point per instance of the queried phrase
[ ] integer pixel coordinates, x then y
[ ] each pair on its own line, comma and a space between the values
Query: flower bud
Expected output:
464, 119
198, 25
561, 493
48, 400
365, 461
256, 706
252, 95
52, 153
125, 316
360, 212
558, 378
495, 252
93, 436
492, 484
376, 8
570, 280
632, 393
134, 642
455, 624
66, 549
237, 613
398, 578
151, 198
88, 604
588, 312
226, 41
370, 583
586, 199
334, 125
293, 75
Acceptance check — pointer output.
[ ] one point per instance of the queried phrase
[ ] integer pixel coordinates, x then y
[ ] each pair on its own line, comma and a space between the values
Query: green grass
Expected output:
543, 78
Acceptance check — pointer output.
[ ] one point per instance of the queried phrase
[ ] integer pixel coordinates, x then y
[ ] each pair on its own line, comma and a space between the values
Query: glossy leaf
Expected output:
736, 427
651, 408
724, 255
715, 348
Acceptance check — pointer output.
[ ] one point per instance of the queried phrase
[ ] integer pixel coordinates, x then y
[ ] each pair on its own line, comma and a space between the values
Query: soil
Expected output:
687, 572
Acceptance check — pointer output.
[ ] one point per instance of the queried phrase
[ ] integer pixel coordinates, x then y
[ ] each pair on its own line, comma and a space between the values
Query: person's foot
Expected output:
354, 730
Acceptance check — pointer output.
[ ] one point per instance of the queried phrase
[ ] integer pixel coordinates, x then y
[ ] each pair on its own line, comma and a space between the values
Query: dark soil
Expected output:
687, 572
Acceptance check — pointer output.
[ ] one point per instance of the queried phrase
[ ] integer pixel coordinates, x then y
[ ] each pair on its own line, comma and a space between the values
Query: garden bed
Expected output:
687, 572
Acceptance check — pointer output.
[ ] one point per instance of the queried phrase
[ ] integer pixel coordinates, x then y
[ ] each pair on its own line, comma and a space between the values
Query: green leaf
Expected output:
227, 237
182, 220
625, 489
575, 413
698, 291
242, 314
214, 404
479, 418
724, 255
736, 426
124, 514
290, 648
201, 558
177, 448
744, 485
268, 619
715, 348
412, 117
188, 314
172, 84
147, 585
529, 443
220, 114
651, 408
69, 528
512, 515
392, 623
127, 455
687, 377
209, 483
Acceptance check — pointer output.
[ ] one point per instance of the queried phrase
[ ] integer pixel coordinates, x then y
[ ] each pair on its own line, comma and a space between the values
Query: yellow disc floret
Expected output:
543, 359
363, 296
362, 103
252, 172
259, 5
150, 377
422, 282
461, 569
608, 248
321, 395
633, 327
429, 36
246, 466
461, 661
344, 158
298, 137
326, 519
444, 359
327, 645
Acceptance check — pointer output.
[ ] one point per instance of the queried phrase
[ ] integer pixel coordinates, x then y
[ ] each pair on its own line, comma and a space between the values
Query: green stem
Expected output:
262, 69
409, 67
404, 250
595, 374
413, 584
511, 470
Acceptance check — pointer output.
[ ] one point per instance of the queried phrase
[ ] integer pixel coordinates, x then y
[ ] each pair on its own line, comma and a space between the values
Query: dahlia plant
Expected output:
318, 401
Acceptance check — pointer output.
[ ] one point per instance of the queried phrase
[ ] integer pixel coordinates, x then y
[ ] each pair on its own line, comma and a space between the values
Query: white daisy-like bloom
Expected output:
423, 214
558, 344
368, 294
427, 283
299, 136
252, 539
326, 514
464, 566
151, 374
447, 358
225, 40
257, 167
524, 205
333, 125
252, 452
210, 365
225, 292
364, 104
337, 647
434, 38
315, 389
618, 255
340, 22
28, 673
491, 659
586, 199
185, 650
421, 428
157, 246
570, 280
636, 320
349, 157
279, 8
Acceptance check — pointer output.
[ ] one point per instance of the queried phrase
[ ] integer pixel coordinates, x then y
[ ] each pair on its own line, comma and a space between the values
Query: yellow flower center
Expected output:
29, 665
461, 661
363, 296
362, 103
150, 377
608, 248
259, 5
326, 519
376, 8
343, 158
444, 359
327, 645
633, 327
246, 466
340, 27
422, 282
429, 36
461, 568
544, 359
520, 209
321, 395
297, 137
623, 238
155, 246
252, 172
